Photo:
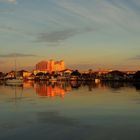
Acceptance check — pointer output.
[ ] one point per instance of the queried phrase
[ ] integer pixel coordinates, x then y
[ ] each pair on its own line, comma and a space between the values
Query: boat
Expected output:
16, 80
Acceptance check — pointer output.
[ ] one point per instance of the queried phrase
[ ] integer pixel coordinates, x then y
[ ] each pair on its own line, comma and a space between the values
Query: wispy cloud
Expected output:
9, 1
137, 57
17, 55
7, 10
105, 13
61, 35
16, 30
8, 28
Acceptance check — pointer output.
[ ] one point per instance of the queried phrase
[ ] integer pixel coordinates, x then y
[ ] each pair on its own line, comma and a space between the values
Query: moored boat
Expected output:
14, 81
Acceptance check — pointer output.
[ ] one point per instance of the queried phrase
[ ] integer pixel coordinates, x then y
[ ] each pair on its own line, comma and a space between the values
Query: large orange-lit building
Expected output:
50, 66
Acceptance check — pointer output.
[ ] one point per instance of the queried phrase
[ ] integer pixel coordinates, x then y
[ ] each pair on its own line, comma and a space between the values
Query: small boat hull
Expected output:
14, 82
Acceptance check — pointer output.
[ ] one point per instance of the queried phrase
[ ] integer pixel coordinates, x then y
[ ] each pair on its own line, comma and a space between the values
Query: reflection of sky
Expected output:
105, 33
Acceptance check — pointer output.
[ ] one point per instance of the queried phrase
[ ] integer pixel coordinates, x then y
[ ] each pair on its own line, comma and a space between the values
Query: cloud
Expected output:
105, 13
7, 10
16, 30
17, 55
12, 1
9, 1
61, 35
137, 57
8, 28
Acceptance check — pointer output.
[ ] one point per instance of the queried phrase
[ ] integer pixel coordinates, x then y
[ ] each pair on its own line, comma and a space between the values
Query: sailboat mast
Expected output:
15, 67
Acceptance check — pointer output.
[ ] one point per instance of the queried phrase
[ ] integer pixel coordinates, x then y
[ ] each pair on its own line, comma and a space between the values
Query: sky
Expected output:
96, 34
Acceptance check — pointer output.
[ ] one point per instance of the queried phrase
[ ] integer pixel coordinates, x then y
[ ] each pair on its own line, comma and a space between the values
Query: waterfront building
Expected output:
27, 74
49, 66
66, 72
10, 74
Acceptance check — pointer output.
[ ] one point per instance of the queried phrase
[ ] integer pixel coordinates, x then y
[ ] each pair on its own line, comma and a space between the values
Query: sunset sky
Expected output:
97, 34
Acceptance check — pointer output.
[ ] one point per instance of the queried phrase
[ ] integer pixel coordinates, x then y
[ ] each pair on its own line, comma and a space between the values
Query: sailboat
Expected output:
16, 80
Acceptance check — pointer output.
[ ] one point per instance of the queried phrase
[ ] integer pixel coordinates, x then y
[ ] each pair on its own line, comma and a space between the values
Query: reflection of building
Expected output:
28, 84
50, 66
51, 90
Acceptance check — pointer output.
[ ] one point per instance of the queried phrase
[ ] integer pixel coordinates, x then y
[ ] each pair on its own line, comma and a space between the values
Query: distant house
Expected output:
66, 72
26, 74
10, 74
21, 72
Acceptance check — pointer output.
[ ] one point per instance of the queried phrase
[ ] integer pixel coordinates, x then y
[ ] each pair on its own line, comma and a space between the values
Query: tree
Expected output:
90, 71
2, 74
40, 74
76, 73
137, 76
116, 73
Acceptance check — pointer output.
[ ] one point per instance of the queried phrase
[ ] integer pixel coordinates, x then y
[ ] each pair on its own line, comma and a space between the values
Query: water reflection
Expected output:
137, 86
61, 88
105, 85
28, 84
47, 89
93, 116
56, 118
52, 89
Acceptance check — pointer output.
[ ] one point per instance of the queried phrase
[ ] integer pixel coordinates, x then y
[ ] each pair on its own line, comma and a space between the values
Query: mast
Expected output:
15, 67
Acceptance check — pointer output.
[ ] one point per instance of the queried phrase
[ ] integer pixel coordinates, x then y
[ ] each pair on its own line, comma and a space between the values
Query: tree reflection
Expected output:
137, 86
76, 84
47, 89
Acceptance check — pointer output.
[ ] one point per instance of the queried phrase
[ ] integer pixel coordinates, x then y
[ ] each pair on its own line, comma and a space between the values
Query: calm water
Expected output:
70, 111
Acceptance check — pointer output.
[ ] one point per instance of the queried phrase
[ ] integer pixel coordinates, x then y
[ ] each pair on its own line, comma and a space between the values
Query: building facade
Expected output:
49, 66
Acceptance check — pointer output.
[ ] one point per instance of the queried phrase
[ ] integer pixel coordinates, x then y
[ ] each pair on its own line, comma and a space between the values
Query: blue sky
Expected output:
97, 34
